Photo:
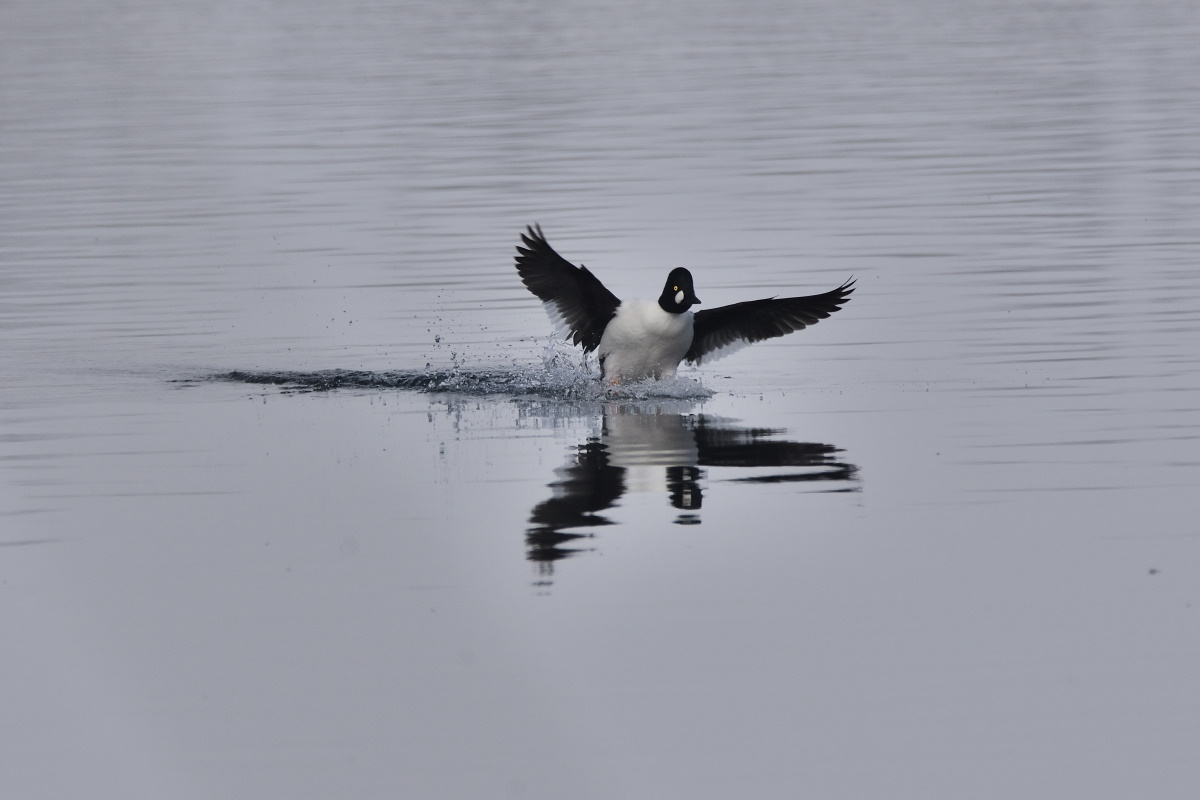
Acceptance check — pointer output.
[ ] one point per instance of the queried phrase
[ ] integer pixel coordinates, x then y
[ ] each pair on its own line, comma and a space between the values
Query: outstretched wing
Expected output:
575, 299
721, 331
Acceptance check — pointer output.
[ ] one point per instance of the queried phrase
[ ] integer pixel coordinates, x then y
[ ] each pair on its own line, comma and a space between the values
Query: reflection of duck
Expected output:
644, 450
639, 339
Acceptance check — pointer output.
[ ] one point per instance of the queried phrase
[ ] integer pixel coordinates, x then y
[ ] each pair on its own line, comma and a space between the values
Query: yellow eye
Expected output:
674, 288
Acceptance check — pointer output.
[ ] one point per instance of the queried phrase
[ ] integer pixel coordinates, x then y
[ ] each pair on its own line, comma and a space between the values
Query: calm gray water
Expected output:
942, 545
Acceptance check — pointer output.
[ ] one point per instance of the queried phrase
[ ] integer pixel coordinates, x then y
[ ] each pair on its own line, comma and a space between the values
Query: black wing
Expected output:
730, 327
574, 297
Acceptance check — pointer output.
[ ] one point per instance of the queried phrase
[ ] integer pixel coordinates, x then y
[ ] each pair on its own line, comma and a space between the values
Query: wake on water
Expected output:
560, 376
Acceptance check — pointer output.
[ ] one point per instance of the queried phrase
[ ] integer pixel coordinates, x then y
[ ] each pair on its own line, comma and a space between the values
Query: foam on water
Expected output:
564, 374
536, 381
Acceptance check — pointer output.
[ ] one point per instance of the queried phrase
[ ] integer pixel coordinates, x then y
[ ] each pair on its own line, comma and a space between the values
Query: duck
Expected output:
636, 340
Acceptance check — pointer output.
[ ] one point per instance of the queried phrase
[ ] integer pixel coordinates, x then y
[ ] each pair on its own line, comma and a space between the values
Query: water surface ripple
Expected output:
289, 474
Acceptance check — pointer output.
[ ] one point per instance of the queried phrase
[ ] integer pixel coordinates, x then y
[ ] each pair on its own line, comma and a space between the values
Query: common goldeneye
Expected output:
638, 339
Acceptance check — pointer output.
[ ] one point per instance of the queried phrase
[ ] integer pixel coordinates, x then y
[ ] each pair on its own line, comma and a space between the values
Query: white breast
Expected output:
643, 341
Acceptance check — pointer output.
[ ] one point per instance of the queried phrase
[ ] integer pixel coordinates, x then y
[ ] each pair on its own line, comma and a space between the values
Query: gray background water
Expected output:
218, 589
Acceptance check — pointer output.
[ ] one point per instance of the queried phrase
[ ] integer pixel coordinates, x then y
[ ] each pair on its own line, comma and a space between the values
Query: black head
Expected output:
678, 295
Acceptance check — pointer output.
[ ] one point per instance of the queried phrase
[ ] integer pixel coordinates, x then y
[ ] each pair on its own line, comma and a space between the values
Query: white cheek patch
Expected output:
679, 298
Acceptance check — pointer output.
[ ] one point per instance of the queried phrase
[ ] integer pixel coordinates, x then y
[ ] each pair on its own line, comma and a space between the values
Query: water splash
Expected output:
518, 381
566, 373
559, 377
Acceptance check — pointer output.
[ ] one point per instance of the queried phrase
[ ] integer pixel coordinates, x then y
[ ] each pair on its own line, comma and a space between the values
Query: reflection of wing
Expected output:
575, 299
721, 331
587, 486
752, 447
